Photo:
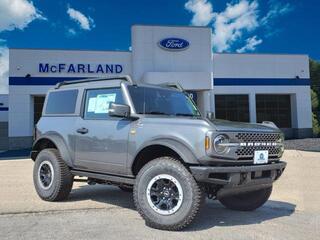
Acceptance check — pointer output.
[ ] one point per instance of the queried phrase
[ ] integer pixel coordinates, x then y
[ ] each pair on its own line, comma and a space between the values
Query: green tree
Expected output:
315, 124
314, 100
315, 95
315, 75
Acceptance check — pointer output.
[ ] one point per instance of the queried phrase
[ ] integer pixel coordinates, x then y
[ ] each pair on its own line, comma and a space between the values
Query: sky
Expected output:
242, 26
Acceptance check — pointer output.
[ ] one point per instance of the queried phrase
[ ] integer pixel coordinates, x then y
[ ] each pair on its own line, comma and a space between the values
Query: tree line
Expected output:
315, 95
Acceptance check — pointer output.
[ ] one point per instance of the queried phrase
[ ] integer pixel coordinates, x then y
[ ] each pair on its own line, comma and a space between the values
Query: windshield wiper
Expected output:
186, 114
156, 113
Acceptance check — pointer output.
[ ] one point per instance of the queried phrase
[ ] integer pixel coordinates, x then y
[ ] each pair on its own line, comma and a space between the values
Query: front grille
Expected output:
258, 137
247, 152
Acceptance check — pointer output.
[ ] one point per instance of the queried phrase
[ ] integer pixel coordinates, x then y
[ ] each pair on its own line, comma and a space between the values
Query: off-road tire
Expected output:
62, 181
248, 201
126, 188
193, 194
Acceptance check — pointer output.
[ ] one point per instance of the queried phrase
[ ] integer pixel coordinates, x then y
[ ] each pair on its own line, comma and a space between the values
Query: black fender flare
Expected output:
181, 149
60, 145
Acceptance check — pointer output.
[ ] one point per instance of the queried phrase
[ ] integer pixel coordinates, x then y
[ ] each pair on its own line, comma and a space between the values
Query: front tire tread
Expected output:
198, 194
63, 178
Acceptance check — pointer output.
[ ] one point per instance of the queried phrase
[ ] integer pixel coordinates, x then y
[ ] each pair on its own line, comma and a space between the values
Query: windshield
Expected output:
148, 100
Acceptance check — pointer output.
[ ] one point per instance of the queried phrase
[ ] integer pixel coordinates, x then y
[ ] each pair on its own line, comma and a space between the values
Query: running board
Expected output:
106, 177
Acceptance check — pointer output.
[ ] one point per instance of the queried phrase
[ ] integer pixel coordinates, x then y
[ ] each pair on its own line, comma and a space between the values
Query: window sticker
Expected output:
103, 101
92, 104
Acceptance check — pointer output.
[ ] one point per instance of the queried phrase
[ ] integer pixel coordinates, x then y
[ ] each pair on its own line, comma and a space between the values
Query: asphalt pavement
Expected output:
105, 212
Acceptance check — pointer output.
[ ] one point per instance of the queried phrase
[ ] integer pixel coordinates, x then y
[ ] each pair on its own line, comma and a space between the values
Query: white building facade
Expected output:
239, 87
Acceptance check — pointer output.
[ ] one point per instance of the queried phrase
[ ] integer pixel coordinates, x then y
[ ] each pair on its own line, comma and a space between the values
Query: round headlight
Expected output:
220, 144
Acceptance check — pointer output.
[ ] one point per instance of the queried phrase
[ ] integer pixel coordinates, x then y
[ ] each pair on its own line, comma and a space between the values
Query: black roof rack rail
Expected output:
125, 78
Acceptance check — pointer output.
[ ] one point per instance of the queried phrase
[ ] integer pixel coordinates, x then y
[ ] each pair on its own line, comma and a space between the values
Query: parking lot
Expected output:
105, 212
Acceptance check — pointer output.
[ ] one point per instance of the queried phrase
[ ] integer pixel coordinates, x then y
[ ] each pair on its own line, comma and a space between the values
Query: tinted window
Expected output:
232, 107
62, 102
275, 108
149, 100
98, 102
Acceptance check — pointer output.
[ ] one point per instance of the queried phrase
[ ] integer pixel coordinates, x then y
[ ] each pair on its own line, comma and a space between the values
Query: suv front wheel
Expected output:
51, 176
166, 194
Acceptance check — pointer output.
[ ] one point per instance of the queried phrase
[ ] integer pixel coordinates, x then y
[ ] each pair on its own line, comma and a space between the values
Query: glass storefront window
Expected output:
232, 107
275, 108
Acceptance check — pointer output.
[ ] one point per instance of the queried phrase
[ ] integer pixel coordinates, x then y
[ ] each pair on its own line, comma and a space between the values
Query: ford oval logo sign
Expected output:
174, 44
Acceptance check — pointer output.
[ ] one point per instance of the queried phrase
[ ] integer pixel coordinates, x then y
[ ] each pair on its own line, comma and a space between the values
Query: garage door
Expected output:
232, 107
275, 108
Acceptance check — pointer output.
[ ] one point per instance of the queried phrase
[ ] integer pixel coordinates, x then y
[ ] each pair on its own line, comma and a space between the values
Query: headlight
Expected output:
220, 144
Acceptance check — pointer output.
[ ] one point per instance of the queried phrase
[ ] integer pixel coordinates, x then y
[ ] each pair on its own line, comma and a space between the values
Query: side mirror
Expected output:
210, 115
119, 110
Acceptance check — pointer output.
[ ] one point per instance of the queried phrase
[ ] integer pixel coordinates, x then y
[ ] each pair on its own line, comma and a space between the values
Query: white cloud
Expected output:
202, 10
237, 22
17, 14
276, 9
86, 23
4, 69
71, 32
251, 44
233, 22
14, 14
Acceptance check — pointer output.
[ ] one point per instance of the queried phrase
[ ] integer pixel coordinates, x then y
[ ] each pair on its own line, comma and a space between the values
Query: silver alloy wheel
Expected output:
45, 174
164, 194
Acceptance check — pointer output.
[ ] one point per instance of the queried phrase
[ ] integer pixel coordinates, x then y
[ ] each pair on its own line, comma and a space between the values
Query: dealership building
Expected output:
239, 87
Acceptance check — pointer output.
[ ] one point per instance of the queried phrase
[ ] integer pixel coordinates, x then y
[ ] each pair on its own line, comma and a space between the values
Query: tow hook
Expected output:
243, 178
279, 173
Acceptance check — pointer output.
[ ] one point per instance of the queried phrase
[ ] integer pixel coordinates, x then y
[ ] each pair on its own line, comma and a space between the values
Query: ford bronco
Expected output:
152, 140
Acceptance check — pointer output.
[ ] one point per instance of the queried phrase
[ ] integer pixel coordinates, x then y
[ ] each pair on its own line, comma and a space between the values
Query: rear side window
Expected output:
98, 102
62, 102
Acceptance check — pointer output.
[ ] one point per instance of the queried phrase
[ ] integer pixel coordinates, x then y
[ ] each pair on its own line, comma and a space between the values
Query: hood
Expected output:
229, 126
216, 124
173, 120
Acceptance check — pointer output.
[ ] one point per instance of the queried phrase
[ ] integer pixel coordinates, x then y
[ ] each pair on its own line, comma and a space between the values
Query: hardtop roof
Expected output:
114, 81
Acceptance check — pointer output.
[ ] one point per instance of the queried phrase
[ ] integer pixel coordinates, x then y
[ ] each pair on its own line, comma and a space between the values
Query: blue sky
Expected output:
259, 26
294, 30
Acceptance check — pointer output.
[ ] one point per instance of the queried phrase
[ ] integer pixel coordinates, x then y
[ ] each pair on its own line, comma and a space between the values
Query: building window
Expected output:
232, 107
62, 102
275, 108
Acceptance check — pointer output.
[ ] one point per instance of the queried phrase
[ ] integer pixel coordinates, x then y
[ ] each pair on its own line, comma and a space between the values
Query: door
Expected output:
38, 102
101, 140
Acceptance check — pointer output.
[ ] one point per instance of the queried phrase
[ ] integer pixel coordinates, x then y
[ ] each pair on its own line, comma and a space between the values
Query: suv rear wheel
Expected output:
51, 176
248, 201
166, 194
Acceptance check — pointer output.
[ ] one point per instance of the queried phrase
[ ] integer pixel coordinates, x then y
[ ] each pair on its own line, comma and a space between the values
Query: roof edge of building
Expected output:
71, 50
258, 54
181, 26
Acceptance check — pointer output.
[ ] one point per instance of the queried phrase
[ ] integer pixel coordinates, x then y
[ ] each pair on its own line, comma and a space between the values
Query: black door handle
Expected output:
82, 130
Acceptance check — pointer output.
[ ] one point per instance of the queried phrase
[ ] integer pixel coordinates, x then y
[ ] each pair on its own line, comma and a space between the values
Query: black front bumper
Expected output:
235, 179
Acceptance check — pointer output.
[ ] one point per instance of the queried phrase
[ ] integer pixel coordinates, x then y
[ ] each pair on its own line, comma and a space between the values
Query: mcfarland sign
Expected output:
80, 68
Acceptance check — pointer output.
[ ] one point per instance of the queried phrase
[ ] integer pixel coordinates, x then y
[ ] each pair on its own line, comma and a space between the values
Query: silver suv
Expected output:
152, 140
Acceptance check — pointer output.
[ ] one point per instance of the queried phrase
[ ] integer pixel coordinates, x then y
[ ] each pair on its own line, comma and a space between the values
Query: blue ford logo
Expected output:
174, 44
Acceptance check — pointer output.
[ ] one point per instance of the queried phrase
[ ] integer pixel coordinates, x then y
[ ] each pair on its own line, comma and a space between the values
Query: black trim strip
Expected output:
107, 177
